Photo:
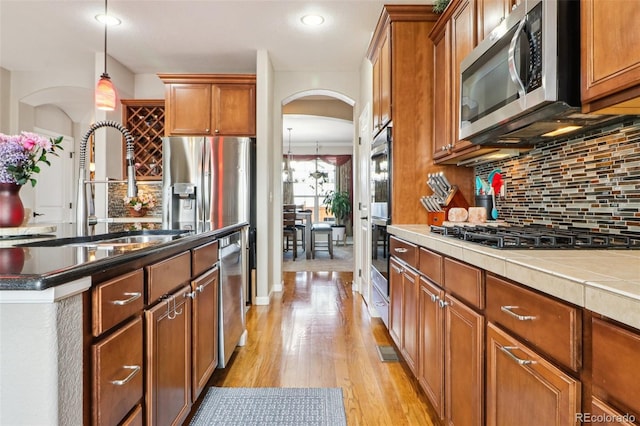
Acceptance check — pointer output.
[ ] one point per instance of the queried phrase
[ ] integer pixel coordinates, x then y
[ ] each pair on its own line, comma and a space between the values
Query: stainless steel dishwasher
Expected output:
233, 278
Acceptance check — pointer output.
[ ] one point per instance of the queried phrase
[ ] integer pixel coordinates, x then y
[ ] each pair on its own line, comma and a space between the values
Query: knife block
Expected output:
454, 199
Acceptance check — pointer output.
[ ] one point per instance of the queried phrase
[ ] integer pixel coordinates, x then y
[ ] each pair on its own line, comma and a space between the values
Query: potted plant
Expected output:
338, 204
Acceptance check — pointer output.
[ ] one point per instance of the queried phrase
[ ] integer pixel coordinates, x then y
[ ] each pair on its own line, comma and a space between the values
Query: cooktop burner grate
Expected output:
537, 237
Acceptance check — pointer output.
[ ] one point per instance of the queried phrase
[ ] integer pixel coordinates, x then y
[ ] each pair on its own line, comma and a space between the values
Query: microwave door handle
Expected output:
513, 72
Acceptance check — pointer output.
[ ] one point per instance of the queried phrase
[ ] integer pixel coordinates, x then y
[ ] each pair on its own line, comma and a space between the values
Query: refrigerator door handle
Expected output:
205, 178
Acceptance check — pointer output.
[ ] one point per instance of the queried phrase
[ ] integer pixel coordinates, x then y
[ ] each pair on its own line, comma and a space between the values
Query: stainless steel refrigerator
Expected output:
206, 182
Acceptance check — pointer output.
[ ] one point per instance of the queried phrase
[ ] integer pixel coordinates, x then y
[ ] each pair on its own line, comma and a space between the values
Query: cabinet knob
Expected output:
207, 130
216, 131
442, 303
434, 298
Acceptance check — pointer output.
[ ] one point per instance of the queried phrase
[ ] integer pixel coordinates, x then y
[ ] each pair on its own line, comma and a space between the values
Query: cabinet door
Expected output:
524, 388
234, 109
168, 343
188, 109
442, 95
385, 80
117, 373
431, 341
205, 329
377, 125
396, 297
610, 54
491, 13
463, 40
464, 360
410, 293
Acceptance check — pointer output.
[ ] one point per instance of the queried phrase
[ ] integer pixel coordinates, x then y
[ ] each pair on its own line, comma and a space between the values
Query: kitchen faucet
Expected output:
132, 190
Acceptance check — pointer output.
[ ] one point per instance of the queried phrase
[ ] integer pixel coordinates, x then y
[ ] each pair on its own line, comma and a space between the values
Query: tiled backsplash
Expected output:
589, 182
118, 190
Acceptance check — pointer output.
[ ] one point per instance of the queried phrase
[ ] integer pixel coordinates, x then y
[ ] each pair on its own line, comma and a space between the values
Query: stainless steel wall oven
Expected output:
380, 210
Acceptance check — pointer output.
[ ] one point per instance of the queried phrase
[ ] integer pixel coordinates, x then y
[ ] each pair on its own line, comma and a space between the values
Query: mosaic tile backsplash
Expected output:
117, 208
588, 182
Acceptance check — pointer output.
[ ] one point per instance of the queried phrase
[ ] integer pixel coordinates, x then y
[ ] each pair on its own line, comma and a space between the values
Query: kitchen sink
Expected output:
117, 240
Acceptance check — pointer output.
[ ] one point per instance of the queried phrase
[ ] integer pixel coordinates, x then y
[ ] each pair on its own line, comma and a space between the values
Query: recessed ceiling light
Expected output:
312, 20
110, 20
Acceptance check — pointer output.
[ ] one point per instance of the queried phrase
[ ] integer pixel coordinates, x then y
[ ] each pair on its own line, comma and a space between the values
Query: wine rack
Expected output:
144, 118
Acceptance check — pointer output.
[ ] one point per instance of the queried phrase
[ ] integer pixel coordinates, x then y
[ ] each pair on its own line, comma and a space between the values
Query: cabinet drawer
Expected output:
552, 326
165, 276
117, 374
616, 355
404, 251
606, 415
465, 282
116, 300
203, 258
381, 305
431, 265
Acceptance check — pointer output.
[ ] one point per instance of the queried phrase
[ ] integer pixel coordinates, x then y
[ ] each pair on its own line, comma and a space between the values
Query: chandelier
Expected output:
317, 174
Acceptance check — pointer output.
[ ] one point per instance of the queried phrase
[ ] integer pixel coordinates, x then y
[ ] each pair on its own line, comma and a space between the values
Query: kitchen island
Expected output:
59, 328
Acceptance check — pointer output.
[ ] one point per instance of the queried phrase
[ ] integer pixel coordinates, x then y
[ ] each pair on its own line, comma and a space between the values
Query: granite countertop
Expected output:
604, 281
41, 268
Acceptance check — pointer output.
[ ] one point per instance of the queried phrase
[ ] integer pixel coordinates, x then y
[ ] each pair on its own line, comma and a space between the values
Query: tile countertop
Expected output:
604, 281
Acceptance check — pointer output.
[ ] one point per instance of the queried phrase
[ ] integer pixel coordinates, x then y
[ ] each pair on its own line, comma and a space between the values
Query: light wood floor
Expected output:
317, 333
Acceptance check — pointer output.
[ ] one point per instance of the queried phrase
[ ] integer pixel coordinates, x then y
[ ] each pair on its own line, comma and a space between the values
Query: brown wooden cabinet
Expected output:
610, 57
210, 104
431, 344
403, 282
205, 329
168, 343
523, 388
401, 36
382, 82
615, 355
491, 13
117, 367
454, 36
144, 119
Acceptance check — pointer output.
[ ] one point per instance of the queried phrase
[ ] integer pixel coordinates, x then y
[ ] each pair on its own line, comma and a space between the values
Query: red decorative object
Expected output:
11, 208
138, 213
11, 260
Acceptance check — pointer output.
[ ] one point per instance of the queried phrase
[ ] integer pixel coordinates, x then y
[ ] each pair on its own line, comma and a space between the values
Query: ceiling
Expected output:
193, 36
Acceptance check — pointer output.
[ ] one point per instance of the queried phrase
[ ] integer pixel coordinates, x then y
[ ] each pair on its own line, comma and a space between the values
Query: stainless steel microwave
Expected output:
521, 85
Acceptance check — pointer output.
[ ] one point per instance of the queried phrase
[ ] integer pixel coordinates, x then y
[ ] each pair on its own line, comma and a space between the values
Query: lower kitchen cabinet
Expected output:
431, 344
464, 362
168, 343
404, 315
205, 290
615, 376
525, 389
117, 373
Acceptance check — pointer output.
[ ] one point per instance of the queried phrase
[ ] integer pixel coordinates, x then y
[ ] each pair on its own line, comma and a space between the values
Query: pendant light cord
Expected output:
105, 38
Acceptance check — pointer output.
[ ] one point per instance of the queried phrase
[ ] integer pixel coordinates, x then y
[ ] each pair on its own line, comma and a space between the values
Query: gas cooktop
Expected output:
538, 237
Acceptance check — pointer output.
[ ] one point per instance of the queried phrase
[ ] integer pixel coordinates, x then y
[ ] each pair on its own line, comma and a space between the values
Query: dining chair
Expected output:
290, 232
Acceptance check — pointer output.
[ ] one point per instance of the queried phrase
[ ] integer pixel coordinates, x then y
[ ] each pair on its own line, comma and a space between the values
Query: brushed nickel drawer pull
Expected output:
398, 270
434, 298
380, 304
133, 297
507, 350
509, 310
400, 250
135, 369
443, 303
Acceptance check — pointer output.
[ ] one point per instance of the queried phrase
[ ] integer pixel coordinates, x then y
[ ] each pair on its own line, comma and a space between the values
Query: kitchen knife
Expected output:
446, 182
435, 187
435, 204
425, 205
444, 192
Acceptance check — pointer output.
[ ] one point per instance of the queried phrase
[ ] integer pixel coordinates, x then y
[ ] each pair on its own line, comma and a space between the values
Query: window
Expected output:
310, 187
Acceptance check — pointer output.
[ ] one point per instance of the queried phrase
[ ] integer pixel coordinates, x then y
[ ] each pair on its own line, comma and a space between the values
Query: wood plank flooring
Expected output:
318, 333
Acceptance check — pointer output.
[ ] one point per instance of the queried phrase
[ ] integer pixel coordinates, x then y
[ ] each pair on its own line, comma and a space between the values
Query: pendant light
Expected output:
288, 171
105, 91
317, 174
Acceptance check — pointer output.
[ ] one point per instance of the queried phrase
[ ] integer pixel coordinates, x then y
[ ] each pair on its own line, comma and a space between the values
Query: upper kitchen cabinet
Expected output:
610, 57
402, 59
382, 82
491, 13
453, 36
144, 118
210, 104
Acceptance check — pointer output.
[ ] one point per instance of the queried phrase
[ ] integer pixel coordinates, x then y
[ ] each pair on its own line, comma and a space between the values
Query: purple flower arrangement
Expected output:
21, 154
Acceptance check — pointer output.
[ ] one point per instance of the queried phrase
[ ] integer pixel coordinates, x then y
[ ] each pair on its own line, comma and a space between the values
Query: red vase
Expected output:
11, 208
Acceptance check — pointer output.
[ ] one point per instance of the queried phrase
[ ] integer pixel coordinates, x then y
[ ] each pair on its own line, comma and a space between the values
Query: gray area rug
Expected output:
271, 406
342, 261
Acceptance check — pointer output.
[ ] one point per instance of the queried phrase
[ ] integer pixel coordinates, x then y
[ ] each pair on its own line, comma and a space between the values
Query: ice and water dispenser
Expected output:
183, 209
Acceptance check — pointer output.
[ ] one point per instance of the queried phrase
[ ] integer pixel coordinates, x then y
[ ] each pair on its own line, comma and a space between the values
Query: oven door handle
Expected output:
513, 72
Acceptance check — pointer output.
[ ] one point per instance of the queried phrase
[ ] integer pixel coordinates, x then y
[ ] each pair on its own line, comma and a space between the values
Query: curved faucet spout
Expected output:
132, 190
